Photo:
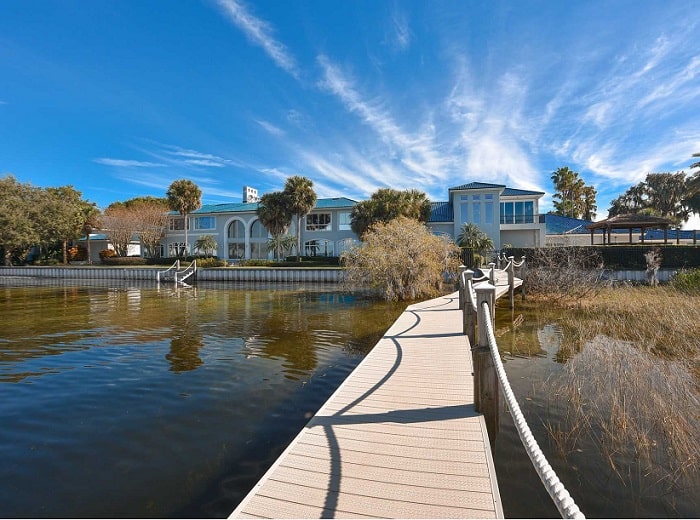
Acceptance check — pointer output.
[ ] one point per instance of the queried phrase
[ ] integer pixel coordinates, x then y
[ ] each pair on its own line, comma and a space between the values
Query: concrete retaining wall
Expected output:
231, 274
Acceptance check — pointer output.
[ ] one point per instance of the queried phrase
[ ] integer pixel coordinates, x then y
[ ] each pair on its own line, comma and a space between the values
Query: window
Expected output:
321, 247
236, 240
258, 240
344, 221
521, 212
176, 249
176, 224
204, 223
318, 222
476, 209
463, 208
488, 209
236, 230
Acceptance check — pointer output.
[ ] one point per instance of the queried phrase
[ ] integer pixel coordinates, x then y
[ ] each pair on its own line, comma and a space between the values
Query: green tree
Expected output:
91, 218
661, 194
387, 204
275, 214
301, 199
18, 209
184, 196
471, 236
402, 259
65, 221
281, 244
572, 198
693, 183
206, 243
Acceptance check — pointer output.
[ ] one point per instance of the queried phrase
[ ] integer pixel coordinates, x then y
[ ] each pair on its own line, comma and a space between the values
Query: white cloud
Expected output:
270, 128
400, 31
260, 33
127, 163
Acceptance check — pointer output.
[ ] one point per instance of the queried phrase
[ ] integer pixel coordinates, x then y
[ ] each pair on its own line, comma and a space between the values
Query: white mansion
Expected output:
507, 215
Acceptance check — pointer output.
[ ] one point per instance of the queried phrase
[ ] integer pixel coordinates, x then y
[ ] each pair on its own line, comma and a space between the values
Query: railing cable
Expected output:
561, 497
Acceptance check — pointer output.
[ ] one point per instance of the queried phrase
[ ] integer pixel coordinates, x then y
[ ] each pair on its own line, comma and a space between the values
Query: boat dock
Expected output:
398, 439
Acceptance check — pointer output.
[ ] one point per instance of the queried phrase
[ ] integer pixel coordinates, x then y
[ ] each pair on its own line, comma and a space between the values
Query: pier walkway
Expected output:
399, 438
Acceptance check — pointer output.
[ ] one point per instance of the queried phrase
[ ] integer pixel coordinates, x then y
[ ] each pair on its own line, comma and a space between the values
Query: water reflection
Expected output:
91, 378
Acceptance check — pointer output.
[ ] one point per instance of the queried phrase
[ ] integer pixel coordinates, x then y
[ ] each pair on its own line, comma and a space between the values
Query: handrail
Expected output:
175, 266
561, 497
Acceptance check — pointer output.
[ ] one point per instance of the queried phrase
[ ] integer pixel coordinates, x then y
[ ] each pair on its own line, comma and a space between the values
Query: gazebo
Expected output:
630, 221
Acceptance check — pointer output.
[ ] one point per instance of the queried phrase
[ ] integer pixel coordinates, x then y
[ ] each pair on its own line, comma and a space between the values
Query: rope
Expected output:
561, 497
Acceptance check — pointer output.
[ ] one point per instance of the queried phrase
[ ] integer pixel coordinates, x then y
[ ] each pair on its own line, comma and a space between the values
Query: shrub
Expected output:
124, 260
77, 254
402, 259
107, 253
211, 262
563, 273
687, 280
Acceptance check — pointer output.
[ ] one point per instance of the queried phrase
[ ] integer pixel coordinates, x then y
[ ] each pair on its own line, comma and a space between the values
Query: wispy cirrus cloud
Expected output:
416, 151
260, 33
127, 163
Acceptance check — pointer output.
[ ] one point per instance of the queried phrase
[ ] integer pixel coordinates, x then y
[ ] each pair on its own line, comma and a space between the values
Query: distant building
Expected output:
509, 216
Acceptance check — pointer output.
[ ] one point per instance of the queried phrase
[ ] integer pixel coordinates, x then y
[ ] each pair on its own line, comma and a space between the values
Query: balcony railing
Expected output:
522, 219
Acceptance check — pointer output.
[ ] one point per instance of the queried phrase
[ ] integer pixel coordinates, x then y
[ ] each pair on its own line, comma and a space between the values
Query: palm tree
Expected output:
91, 221
206, 243
274, 213
301, 199
281, 242
474, 238
184, 196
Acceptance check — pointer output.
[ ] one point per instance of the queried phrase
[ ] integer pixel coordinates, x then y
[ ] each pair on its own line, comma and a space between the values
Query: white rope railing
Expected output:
561, 497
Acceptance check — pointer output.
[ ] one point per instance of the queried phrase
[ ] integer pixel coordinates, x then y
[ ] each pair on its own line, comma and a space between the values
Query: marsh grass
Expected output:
630, 385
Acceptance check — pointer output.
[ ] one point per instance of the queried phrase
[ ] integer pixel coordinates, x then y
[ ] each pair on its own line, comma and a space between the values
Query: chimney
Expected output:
250, 194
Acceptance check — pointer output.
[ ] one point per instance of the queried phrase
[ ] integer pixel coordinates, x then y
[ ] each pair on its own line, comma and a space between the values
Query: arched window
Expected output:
258, 240
236, 240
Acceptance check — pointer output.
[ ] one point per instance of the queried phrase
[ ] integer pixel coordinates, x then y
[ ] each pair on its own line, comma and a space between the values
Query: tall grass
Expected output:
631, 383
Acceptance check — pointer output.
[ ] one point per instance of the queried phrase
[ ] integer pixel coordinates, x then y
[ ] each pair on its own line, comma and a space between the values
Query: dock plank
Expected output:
398, 439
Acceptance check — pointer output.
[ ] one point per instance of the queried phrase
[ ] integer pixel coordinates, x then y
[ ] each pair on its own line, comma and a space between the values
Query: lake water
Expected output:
140, 401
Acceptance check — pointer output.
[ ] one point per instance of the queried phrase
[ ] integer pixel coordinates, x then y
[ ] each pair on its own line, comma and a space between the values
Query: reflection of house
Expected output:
507, 215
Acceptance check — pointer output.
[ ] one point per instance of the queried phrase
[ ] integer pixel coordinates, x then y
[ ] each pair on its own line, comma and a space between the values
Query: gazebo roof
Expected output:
631, 221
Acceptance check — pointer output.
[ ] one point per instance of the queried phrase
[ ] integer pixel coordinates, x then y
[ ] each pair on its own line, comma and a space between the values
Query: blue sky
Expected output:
119, 98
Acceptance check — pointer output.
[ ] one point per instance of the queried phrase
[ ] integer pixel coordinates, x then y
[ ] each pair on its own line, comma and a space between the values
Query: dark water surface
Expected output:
138, 401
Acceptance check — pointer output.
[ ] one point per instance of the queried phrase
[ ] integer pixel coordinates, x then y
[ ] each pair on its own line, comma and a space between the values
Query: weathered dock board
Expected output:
398, 439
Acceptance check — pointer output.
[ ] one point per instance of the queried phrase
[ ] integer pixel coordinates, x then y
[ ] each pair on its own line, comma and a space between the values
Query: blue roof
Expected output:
251, 207
441, 212
477, 186
512, 192
658, 234
335, 203
560, 225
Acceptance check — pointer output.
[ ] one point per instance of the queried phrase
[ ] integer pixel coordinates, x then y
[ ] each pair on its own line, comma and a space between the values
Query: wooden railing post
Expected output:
468, 314
522, 276
460, 289
486, 396
511, 281
492, 274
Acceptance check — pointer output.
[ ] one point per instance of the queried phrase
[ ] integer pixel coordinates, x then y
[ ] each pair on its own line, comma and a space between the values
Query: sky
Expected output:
119, 98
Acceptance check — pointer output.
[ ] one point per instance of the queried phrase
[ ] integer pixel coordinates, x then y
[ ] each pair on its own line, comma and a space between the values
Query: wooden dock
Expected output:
398, 439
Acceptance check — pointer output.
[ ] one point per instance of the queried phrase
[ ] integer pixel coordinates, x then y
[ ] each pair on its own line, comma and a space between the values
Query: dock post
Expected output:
522, 277
511, 281
486, 396
468, 314
462, 284
492, 274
